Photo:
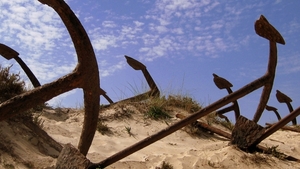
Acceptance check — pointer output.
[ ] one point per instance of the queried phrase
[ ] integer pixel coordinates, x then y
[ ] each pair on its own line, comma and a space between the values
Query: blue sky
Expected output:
182, 42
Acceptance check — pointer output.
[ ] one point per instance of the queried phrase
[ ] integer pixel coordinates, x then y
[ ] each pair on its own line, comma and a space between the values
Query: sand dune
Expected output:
180, 149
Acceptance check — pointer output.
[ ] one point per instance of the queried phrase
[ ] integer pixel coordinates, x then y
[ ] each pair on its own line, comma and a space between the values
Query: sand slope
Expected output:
179, 149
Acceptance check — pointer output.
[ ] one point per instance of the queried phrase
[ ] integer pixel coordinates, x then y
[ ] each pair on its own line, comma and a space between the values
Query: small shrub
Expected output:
157, 113
273, 151
9, 166
10, 84
184, 102
213, 118
128, 129
38, 121
226, 124
257, 159
103, 128
166, 165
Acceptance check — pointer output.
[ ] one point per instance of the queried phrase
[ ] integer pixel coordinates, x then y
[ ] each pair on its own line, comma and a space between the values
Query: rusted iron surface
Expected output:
139, 66
266, 81
201, 125
278, 125
264, 29
295, 129
282, 98
9, 53
85, 76
222, 83
245, 133
71, 158
190, 119
153, 92
270, 108
87, 68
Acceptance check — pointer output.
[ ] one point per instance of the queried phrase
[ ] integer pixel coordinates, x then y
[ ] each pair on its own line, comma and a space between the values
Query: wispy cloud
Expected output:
191, 25
107, 70
202, 29
36, 32
289, 64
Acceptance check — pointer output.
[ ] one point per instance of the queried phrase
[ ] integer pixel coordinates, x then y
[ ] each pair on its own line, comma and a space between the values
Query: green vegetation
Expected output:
159, 108
273, 151
9, 166
128, 129
11, 84
213, 118
166, 165
184, 102
157, 113
103, 128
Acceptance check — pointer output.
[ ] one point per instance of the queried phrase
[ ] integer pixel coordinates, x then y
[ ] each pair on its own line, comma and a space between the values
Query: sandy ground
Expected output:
180, 149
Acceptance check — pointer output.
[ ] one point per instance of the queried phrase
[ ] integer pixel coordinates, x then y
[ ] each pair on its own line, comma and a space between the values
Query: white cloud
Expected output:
138, 24
109, 24
177, 31
88, 19
38, 34
110, 69
211, 6
101, 42
289, 64
32, 26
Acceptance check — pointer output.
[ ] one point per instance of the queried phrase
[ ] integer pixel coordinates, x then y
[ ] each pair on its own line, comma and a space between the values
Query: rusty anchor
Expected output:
8, 53
260, 82
216, 105
264, 29
153, 92
222, 83
85, 76
245, 128
270, 108
282, 98
136, 65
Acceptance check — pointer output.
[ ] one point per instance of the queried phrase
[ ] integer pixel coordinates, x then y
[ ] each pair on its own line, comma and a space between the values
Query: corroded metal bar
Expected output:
267, 78
85, 76
88, 68
264, 29
278, 125
283, 98
190, 119
270, 108
221, 112
40, 95
295, 129
154, 91
199, 124
222, 83
10, 53
139, 66
103, 93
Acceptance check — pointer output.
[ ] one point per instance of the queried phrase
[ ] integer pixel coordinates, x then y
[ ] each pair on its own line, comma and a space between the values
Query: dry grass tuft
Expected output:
103, 128
212, 118
274, 152
165, 165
